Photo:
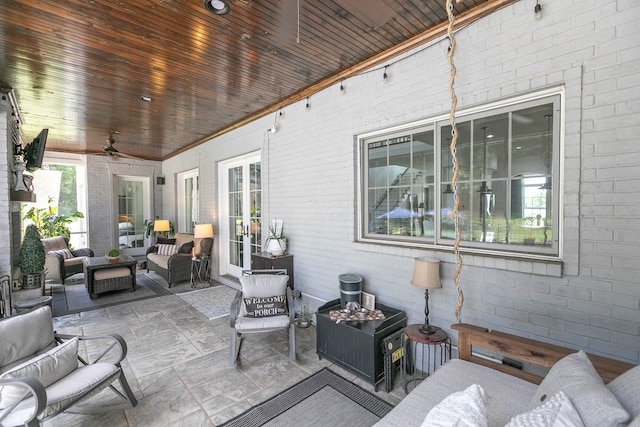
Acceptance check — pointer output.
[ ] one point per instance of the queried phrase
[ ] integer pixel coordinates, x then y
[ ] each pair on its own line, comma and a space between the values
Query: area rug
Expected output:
212, 302
323, 399
73, 298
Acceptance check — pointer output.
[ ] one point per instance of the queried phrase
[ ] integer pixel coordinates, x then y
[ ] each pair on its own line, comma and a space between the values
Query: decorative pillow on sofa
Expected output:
463, 408
186, 248
626, 388
66, 253
265, 307
47, 368
557, 411
579, 380
167, 250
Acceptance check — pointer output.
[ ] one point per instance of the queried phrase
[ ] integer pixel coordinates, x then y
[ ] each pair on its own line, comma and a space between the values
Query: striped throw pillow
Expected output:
66, 253
167, 249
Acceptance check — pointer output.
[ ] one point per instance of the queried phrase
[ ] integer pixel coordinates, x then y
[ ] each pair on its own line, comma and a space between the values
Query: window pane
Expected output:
505, 175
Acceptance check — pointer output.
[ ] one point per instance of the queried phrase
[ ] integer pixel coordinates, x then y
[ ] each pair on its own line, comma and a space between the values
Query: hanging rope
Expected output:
454, 160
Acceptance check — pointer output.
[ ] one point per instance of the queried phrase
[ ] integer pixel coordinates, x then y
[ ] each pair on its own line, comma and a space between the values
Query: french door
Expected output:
240, 219
133, 201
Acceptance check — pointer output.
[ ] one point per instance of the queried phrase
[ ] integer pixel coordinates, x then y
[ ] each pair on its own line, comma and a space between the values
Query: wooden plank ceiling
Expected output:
80, 67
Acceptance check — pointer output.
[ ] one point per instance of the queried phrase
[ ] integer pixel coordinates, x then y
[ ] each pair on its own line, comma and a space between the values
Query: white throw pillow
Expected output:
558, 411
47, 368
579, 380
66, 253
461, 409
626, 388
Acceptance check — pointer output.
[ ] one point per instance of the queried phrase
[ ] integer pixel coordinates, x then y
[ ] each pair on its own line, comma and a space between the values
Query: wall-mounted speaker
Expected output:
160, 180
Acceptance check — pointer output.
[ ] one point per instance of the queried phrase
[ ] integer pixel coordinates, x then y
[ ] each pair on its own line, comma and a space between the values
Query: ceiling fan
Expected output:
112, 151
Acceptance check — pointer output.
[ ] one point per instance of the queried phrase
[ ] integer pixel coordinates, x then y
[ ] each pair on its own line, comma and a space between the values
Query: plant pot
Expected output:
33, 280
277, 247
113, 258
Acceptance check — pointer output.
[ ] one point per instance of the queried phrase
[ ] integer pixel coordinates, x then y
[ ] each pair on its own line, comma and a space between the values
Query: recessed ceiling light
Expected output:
146, 99
217, 7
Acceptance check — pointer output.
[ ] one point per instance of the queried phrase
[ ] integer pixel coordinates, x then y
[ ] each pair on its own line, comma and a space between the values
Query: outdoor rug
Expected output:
73, 297
323, 399
212, 302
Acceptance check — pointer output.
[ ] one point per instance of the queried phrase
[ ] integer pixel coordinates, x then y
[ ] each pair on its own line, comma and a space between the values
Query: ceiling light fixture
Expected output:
146, 99
217, 7
538, 9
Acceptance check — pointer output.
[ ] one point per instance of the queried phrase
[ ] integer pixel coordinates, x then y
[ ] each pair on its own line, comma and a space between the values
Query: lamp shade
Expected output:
203, 230
426, 273
161, 225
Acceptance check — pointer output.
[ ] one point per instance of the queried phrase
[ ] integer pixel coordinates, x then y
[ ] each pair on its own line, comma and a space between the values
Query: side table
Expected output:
430, 344
199, 271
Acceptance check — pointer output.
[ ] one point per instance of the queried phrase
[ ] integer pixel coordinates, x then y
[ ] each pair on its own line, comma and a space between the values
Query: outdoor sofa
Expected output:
465, 390
171, 258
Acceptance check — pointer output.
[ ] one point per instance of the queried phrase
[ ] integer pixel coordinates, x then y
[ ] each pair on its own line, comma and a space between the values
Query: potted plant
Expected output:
49, 222
276, 242
32, 258
113, 255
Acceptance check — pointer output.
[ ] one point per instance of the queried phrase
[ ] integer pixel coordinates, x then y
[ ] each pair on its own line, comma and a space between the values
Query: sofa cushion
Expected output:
47, 368
557, 411
16, 346
54, 243
626, 388
462, 408
161, 261
507, 395
578, 379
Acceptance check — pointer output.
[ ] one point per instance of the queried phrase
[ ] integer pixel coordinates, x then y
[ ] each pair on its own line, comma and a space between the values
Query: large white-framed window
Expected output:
508, 154
62, 184
188, 201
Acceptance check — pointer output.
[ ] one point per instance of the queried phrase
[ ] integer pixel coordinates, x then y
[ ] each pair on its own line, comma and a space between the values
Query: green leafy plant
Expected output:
32, 252
148, 228
113, 253
49, 222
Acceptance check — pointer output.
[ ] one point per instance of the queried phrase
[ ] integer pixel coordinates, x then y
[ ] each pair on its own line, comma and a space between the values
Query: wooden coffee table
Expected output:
101, 275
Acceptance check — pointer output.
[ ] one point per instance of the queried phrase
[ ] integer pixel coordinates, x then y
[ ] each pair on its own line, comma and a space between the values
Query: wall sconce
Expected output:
160, 180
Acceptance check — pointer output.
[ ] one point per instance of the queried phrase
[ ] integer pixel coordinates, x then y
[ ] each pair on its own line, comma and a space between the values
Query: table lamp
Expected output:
426, 275
203, 230
161, 226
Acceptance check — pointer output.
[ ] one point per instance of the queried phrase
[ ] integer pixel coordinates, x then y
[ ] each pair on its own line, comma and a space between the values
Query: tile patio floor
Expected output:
178, 365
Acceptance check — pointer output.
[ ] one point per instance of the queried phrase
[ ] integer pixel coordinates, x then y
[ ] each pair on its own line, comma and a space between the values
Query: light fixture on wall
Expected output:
538, 9
160, 180
426, 275
342, 87
307, 106
385, 76
161, 226
217, 7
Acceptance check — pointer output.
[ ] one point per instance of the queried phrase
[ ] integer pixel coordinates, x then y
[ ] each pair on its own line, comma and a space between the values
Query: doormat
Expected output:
74, 298
212, 302
323, 399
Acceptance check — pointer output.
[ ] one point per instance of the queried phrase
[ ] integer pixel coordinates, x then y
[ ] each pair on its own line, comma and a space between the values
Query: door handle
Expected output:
246, 231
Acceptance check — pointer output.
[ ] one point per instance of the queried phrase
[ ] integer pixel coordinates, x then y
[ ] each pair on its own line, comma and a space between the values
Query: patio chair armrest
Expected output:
235, 308
115, 346
290, 304
83, 252
151, 249
32, 388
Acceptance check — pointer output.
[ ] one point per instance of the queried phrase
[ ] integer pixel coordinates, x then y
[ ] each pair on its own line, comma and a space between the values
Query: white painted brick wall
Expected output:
592, 300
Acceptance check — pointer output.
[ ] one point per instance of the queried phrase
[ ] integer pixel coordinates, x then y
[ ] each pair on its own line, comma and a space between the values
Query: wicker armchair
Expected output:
61, 262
